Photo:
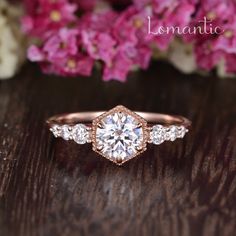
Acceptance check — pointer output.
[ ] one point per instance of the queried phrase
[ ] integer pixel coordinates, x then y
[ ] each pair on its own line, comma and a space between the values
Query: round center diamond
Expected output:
119, 136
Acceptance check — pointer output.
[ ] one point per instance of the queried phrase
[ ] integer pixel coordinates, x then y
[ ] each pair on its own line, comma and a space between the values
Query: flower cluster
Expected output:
74, 36
216, 51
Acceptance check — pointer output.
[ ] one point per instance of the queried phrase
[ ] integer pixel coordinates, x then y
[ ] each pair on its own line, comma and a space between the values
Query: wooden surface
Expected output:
50, 187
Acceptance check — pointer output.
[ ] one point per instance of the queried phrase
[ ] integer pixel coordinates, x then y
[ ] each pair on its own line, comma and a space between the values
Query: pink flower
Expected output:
60, 54
210, 49
119, 68
74, 66
217, 13
100, 46
167, 7
127, 58
215, 10
227, 40
206, 58
102, 21
64, 43
127, 25
143, 57
70, 66
139, 56
47, 17
35, 54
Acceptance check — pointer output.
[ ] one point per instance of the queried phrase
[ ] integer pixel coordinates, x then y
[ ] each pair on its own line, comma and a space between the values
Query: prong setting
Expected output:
119, 135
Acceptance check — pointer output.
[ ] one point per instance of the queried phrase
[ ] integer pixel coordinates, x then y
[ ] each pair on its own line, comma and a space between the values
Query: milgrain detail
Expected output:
140, 121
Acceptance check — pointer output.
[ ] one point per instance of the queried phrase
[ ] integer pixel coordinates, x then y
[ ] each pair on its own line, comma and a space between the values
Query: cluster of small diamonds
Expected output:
160, 133
80, 133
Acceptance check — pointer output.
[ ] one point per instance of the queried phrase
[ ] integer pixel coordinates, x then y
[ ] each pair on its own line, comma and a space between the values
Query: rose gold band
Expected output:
118, 134
88, 117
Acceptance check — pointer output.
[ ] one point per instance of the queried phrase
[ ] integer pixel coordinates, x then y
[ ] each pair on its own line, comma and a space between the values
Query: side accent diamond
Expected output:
66, 132
171, 133
80, 134
159, 133
56, 130
181, 131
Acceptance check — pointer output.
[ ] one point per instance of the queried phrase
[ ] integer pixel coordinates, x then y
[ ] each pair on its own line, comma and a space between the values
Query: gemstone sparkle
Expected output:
160, 133
119, 136
80, 134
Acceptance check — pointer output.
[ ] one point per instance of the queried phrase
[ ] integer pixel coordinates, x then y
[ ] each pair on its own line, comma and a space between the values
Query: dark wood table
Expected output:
50, 187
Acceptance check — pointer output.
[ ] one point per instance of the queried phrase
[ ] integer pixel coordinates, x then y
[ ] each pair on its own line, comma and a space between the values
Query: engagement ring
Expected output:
119, 134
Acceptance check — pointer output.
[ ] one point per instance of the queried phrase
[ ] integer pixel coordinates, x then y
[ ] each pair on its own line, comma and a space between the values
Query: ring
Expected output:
119, 134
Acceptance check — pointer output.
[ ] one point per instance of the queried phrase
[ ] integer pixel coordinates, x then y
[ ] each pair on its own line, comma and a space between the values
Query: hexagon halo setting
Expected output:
131, 139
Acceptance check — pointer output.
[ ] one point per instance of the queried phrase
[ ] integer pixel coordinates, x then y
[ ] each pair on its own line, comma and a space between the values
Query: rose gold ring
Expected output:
119, 134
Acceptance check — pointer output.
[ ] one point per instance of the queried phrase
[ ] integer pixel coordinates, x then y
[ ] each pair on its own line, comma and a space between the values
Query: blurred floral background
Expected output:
71, 38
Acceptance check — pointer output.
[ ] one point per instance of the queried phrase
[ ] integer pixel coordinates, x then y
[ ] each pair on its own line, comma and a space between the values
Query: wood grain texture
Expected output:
50, 187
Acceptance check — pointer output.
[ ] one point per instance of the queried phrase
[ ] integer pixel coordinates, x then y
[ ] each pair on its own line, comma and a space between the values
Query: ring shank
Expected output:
88, 117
